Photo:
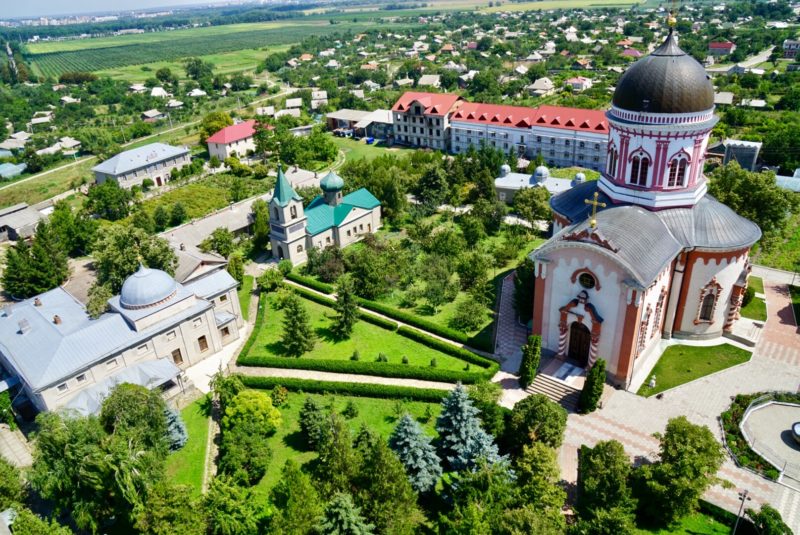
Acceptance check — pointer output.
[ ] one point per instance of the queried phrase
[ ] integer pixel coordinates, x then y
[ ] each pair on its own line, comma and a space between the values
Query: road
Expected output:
752, 61
287, 91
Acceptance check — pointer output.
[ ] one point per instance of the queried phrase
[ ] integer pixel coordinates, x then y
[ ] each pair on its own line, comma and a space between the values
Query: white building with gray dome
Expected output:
508, 184
54, 355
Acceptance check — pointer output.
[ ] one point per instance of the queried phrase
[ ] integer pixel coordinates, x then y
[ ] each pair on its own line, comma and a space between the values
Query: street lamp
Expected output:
743, 496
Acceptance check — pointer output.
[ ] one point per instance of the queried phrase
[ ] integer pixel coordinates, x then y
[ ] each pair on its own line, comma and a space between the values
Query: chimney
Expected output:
24, 326
37, 302
57, 319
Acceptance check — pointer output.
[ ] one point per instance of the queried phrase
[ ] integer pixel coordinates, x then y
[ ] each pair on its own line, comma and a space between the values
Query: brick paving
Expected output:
14, 447
511, 335
632, 420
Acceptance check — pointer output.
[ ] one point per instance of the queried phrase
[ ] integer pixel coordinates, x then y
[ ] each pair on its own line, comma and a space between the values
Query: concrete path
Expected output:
14, 448
202, 372
775, 275
337, 377
511, 336
630, 419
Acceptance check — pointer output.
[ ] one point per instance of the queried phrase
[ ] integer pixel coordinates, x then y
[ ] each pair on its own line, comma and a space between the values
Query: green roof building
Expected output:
331, 219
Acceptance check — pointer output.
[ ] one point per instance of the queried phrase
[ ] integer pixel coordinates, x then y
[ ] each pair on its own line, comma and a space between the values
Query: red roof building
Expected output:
631, 53
510, 116
234, 140
439, 104
721, 48
422, 119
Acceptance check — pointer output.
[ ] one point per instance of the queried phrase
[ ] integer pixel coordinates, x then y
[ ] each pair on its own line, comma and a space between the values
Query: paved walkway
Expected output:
511, 336
630, 419
14, 447
337, 377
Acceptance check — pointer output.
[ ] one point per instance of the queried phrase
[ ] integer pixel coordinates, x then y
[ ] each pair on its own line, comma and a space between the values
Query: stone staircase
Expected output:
556, 390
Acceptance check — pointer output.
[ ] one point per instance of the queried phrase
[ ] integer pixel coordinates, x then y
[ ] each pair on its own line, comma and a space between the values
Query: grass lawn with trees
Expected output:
380, 415
680, 364
694, 524
368, 339
186, 466
245, 294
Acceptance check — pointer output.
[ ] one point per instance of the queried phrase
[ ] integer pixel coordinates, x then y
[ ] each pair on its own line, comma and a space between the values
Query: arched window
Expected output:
707, 307
640, 165
277, 213
293, 211
299, 248
677, 173
659, 311
613, 156
645, 325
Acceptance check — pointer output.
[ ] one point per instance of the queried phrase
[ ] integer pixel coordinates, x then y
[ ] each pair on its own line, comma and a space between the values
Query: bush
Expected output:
349, 389
749, 294
382, 358
593, 387
285, 266
147, 183
279, 396
434, 363
376, 369
356, 356
350, 411
262, 302
405, 359
310, 282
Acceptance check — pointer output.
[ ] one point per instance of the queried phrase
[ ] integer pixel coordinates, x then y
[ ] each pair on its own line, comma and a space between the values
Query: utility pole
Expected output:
745, 498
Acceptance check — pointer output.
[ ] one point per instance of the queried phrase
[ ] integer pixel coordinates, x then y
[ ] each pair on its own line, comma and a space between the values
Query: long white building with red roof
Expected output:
562, 136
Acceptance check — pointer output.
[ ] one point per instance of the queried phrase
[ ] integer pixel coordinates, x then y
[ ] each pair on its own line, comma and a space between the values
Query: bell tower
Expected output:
287, 222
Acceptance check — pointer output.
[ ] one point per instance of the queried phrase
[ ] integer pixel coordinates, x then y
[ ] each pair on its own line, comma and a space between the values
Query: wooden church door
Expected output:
580, 339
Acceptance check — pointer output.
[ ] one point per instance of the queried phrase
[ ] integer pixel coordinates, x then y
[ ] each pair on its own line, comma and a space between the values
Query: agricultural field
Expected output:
91, 55
559, 4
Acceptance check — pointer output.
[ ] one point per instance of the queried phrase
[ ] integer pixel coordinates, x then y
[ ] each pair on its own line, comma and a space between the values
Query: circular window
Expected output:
587, 281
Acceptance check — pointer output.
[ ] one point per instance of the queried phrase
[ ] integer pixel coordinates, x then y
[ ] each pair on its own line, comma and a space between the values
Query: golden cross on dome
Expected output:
594, 203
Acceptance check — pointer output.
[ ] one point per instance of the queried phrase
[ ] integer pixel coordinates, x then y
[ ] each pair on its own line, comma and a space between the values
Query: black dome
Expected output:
666, 81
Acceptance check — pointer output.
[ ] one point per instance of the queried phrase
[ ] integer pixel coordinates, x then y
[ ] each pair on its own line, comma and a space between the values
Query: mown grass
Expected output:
368, 339
681, 364
245, 294
756, 283
756, 309
694, 524
794, 292
355, 149
379, 415
186, 466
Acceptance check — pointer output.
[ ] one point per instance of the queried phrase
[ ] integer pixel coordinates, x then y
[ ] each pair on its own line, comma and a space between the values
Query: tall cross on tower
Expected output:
594, 203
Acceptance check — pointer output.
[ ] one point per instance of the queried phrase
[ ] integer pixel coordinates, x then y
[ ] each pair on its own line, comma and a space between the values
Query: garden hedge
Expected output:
350, 389
399, 315
378, 369
254, 333
448, 348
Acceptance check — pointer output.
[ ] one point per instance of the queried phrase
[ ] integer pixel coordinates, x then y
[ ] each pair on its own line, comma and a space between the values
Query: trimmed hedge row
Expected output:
378, 369
350, 389
450, 349
262, 300
399, 315
328, 302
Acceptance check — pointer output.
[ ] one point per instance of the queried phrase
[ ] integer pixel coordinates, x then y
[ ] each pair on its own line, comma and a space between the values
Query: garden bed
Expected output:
737, 445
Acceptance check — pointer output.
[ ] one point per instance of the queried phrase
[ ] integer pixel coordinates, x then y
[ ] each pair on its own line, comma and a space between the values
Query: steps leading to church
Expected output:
556, 390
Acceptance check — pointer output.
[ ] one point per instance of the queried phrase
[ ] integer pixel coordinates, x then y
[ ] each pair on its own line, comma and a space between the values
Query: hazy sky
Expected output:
39, 8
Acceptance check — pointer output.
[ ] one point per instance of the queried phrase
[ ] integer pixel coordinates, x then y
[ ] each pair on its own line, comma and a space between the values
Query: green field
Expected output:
681, 364
378, 414
756, 283
355, 149
560, 4
185, 466
103, 54
368, 339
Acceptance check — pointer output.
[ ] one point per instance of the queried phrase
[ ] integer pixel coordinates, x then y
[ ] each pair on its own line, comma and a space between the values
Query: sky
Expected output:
39, 8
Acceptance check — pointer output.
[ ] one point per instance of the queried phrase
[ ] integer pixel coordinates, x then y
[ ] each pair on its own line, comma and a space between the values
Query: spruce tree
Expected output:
297, 504
462, 441
298, 338
593, 387
345, 306
531, 356
236, 267
49, 259
415, 451
339, 461
176, 429
18, 271
313, 423
342, 517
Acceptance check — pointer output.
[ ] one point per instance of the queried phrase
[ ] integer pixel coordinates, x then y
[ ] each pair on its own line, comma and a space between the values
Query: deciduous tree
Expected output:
768, 521
121, 248
109, 201
536, 419
533, 204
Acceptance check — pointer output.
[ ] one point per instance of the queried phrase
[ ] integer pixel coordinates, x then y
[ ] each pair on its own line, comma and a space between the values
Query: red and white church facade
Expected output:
644, 253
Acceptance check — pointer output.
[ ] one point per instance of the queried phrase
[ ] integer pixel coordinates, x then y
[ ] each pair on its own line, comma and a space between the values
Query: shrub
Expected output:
382, 358
593, 387
350, 411
285, 266
433, 363
147, 183
349, 389
356, 356
749, 294
405, 359
279, 396
310, 282
270, 280
448, 348
531, 356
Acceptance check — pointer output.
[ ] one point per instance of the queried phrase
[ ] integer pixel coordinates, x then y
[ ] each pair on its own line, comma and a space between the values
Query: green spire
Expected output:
283, 189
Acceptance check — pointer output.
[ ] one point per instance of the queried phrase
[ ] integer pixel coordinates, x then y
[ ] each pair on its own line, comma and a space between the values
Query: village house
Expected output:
235, 140
155, 161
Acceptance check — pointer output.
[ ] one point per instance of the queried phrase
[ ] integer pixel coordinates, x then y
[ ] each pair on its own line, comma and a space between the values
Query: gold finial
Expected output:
594, 203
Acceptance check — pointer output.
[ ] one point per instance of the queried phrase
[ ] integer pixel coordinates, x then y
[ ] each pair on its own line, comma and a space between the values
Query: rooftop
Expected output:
234, 133
322, 216
133, 159
434, 103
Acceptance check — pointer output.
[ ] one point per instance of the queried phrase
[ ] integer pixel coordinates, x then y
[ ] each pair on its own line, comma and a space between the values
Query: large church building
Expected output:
644, 253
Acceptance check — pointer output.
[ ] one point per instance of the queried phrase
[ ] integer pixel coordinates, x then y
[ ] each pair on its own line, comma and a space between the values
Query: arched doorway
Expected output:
580, 340
280, 253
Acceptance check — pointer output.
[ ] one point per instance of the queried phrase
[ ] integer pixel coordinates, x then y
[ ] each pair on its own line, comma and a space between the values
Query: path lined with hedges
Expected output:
337, 377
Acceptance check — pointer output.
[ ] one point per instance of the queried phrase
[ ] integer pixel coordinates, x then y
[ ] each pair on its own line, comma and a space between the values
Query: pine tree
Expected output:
342, 517
313, 423
531, 356
176, 429
298, 338
345, 306
49, 258
593, 387
297, 503
462, 440
18, 271
416, 453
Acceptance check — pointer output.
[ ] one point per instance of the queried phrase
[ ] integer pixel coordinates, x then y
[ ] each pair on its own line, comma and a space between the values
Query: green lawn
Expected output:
378, 414
681, 364
570, 172
245, 294
756, 309
783, 252
756, 283
694, 524
794, 291
355, 149
368, 339
185, 466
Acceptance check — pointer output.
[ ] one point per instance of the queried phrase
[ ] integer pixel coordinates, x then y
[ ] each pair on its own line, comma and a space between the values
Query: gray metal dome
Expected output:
667, 81
541, 173
505, 169
146, 287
